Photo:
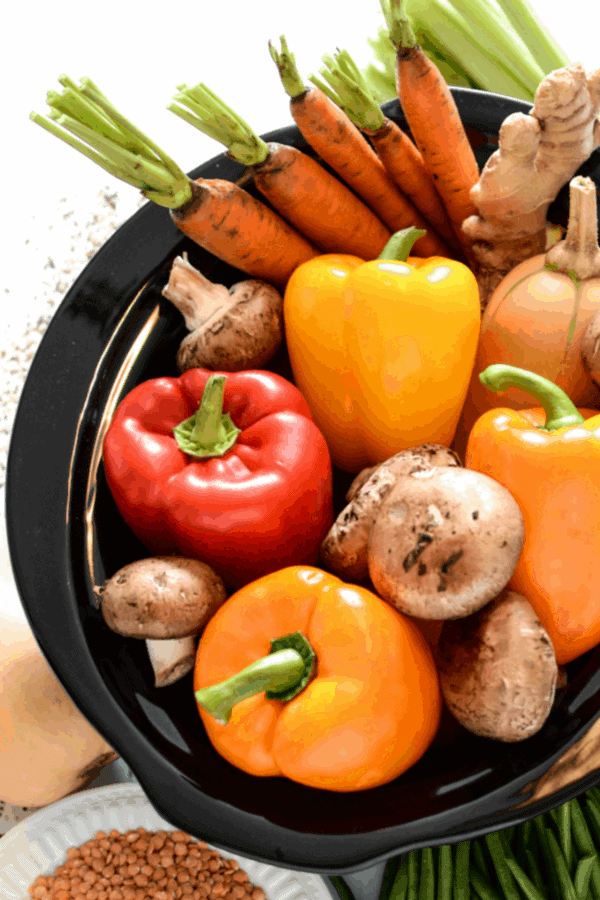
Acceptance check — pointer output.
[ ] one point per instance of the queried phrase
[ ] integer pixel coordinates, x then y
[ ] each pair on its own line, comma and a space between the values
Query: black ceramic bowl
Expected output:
112, 331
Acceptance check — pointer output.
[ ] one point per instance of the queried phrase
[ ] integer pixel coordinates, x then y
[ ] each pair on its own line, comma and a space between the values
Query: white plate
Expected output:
39, 844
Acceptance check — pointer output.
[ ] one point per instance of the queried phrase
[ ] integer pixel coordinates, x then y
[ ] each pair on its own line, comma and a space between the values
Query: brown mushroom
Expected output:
344, 549
445, 542
498, 670
166, 601
230, 330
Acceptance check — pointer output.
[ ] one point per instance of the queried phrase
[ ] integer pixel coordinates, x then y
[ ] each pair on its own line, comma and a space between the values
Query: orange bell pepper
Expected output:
382, 350
369, 713
549, 459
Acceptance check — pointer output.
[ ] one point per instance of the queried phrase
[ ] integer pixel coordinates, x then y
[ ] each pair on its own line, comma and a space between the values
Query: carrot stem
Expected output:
347, 88
286, 63
212, 116
110, 140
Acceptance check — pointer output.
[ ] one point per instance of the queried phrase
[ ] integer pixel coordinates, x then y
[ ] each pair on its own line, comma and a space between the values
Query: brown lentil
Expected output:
145, 865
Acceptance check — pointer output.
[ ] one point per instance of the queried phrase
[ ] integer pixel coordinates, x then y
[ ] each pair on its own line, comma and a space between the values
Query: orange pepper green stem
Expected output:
549, 459
370, 711
282, 674
559, 408
208, 432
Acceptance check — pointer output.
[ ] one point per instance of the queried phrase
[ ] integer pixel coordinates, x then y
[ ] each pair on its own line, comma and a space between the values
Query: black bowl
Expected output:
112, 331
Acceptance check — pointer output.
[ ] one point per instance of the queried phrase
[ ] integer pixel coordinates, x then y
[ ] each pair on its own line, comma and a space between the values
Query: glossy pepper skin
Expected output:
369, 714
382, 350
266, 503
555, 478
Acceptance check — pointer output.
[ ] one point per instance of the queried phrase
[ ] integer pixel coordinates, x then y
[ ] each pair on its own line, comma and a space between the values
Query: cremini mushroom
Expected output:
230, 329
444, 543
165, 600
498, 670
344, 549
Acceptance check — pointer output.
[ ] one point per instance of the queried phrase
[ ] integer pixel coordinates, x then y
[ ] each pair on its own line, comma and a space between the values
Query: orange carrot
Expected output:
339, 143
312, 200
348, 89
231, 224
218, 215
434, 121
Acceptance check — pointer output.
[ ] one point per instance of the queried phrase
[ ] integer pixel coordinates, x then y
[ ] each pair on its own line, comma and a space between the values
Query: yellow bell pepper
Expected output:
382, 350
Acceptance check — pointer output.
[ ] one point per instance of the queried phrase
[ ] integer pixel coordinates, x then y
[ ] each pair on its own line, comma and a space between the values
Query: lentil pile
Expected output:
140, 864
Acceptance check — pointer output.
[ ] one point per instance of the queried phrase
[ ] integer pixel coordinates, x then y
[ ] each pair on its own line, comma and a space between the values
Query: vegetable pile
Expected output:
405, 288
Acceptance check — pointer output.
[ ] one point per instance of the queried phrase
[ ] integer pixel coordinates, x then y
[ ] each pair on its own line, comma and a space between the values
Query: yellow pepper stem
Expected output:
401, 243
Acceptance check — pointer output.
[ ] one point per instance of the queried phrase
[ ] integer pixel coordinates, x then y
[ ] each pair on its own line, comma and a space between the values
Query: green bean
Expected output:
478, 853
591, 811
525, 883
461, 871
584, 843
399, 889
445, 873
534, 870
564, 879
389, 877
481, 887
541, 832
583, 874
564, 830
427, 878
413, 875
498, 853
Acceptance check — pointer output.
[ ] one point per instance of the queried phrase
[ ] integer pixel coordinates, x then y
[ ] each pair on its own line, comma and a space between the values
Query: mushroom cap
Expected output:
445, 542
161, 597
498, 670
344, 549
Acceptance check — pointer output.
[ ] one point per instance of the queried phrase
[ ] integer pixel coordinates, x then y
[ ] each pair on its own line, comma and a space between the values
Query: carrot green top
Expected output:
109, 139
286, 63
209, 114
400, 30
348, 89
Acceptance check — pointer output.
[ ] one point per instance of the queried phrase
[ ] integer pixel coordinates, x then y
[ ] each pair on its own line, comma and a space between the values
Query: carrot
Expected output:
348, 89
315, 202
218, 215
434, 121
339, 143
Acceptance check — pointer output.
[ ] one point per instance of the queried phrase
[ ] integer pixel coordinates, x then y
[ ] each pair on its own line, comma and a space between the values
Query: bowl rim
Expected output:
43, 568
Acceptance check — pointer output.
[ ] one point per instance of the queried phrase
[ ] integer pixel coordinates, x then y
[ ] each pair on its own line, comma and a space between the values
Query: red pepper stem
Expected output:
401, 243
559, 408
208, 432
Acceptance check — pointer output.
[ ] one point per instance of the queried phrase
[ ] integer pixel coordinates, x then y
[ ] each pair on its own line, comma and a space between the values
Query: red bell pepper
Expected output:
237, 475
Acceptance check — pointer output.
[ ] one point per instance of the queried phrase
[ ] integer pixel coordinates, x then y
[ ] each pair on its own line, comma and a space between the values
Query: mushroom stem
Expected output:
578, 254
196, 298
171, 659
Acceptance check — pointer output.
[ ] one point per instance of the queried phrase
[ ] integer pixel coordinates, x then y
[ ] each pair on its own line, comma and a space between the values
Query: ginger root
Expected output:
537, 154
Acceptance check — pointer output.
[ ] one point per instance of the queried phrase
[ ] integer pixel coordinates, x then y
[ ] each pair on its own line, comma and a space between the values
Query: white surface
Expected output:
39, 844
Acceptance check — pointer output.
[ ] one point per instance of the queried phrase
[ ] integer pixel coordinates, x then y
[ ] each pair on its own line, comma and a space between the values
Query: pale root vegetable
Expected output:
344, 550
590, 348
166, 601
537, 317
445, 542
498, 670
537, 154
48, 749
230, 329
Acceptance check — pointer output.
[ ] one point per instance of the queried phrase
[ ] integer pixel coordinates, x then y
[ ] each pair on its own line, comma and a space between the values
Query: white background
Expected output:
138, 53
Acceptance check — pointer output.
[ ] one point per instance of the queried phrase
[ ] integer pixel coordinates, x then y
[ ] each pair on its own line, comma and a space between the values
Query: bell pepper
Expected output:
246, 491
549, 459
357, 715
382, 350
